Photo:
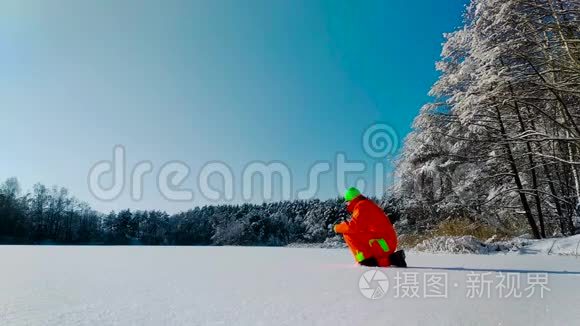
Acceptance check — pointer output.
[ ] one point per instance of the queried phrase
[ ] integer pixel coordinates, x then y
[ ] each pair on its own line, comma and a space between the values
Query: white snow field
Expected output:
52, 285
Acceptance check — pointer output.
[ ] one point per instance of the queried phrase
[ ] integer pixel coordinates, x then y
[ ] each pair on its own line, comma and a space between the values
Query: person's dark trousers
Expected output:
396, 259
369, 262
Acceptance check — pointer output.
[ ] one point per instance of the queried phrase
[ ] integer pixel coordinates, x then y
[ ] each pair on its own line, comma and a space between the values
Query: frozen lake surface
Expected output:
51, 285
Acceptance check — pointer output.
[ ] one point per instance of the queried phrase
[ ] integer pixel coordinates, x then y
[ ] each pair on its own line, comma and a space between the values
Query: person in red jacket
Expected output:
369, 234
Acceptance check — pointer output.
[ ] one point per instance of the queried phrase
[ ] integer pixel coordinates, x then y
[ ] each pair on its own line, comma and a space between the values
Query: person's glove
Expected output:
341, 228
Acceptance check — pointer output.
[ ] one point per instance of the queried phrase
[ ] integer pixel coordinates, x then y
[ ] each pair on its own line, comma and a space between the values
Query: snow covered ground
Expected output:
64, 286
565, 246
569, 246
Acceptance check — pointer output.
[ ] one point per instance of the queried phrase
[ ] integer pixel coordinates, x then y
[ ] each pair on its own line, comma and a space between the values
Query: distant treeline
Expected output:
52, 215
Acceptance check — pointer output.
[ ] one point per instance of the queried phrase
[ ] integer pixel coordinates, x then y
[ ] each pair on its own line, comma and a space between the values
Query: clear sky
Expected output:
199, 81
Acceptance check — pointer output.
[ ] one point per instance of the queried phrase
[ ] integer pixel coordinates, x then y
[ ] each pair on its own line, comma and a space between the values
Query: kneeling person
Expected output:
369, 234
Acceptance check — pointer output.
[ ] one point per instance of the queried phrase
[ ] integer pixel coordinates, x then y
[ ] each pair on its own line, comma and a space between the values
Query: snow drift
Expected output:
569, 246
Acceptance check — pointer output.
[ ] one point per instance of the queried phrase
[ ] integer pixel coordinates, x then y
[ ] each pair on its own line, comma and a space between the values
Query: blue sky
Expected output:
199, 81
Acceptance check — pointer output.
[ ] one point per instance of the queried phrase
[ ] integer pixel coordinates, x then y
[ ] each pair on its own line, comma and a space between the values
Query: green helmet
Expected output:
351, 193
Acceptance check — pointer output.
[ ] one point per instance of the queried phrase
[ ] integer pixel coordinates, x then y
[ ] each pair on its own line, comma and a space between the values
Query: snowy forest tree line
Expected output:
52, 215
501, 141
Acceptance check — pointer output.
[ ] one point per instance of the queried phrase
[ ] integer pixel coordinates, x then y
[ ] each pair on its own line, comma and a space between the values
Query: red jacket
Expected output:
369, 233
